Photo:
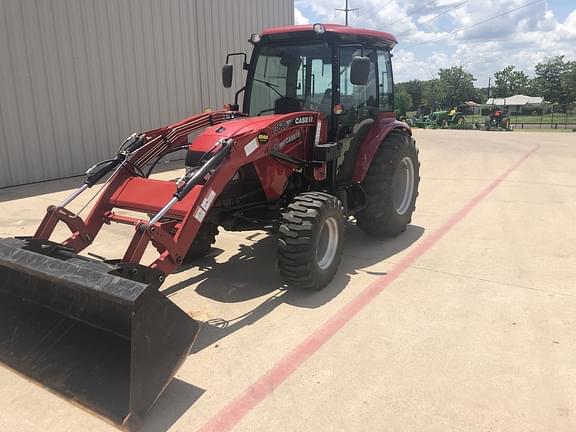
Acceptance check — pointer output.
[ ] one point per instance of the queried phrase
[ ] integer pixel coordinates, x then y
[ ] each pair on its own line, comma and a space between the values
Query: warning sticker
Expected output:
250, 147
199, 214
207, 201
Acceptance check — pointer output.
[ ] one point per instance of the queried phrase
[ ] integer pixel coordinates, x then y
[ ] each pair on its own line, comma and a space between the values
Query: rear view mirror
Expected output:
359, 70
227, 72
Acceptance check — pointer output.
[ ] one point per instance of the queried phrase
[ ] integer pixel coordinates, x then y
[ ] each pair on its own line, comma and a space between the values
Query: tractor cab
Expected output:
333, 69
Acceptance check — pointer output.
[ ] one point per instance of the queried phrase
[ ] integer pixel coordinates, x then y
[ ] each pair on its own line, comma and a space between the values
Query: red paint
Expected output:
384, 124
146, 195
159, 141
334, 28
229, 416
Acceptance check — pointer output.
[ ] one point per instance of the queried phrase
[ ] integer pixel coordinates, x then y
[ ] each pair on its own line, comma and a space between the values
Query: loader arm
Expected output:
156, 143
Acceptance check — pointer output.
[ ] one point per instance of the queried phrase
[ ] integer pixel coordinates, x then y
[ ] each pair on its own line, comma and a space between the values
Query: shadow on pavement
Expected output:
174, 402
252, 273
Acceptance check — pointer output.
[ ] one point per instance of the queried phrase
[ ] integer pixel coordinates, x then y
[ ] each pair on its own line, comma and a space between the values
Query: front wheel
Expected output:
391, 187
202, 243
310, 240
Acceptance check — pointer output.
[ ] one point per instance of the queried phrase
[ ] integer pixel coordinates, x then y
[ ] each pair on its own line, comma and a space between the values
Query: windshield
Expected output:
289, 78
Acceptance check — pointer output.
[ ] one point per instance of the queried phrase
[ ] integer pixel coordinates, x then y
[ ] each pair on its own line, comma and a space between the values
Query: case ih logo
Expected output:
289, 139
304, 120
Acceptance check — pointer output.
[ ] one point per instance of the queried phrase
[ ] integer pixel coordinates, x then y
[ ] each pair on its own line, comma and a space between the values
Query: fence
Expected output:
555, 116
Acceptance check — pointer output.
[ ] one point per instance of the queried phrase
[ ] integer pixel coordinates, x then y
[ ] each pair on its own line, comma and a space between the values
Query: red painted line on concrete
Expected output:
229, 416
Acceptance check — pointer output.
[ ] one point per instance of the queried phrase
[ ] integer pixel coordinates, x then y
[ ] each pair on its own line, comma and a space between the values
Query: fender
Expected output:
384, 124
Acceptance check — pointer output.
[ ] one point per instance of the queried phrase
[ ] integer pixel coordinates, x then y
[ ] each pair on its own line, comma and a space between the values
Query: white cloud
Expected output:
299, 18
487, 44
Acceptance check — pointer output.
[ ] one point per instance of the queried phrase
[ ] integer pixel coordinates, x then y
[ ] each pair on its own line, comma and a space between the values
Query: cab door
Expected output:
360, 107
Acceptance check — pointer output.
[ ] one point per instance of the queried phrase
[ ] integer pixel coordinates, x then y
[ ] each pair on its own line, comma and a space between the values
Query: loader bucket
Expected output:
107, 342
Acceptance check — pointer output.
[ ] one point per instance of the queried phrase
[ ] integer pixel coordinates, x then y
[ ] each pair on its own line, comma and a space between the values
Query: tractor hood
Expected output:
263, 128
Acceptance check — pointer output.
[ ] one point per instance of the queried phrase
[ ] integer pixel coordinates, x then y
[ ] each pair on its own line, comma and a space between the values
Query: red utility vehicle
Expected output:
315, 143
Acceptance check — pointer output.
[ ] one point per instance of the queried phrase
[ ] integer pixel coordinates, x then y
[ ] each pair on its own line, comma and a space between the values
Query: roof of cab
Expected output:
334, 28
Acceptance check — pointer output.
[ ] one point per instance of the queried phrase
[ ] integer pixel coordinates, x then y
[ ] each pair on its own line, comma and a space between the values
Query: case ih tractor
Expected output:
316, 143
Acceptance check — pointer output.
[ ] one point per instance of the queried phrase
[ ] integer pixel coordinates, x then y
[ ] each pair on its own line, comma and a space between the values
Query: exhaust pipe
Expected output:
78, 327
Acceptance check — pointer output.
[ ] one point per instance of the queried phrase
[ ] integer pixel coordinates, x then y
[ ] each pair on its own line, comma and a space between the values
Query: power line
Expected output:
476, 24
453, 8
375, 8
414, 13
346, 10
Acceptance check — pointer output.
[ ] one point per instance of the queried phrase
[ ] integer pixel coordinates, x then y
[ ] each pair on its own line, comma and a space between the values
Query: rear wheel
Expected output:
310, 240
391, 187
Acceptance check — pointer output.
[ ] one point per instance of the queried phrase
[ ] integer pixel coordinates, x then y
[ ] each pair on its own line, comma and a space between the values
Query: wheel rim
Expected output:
327, 243
404, 186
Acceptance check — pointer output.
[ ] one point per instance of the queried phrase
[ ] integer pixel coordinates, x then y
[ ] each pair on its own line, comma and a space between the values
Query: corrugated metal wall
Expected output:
78, 76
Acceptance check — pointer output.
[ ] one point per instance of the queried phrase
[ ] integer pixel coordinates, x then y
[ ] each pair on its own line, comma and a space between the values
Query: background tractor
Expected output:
497, 119
315, 143
440, 119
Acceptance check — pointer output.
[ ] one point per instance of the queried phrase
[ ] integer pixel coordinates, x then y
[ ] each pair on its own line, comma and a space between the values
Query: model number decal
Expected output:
281, 125
285, 124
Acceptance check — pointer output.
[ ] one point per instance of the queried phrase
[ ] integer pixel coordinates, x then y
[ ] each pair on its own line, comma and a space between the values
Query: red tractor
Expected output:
315, 143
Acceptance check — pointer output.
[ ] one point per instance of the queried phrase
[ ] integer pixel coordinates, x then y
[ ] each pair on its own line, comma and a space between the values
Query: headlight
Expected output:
255, 38
319, 28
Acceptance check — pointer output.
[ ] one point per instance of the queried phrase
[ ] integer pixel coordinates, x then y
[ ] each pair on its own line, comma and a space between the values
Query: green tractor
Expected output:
440, 120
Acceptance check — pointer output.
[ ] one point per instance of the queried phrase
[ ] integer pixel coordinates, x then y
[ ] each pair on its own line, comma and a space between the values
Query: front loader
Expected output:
315, 145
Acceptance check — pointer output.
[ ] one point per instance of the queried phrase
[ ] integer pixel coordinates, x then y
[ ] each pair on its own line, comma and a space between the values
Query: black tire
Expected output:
203, 242
310, 240
383, 215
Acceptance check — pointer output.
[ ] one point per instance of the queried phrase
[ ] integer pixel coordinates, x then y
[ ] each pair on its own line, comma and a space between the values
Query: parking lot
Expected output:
466, 322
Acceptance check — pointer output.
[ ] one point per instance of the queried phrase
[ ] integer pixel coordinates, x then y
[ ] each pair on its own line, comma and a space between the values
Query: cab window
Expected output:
385, 90
358, 97
291, 77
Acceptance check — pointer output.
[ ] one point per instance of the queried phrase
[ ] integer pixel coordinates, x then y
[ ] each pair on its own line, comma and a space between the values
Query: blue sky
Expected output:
443, 33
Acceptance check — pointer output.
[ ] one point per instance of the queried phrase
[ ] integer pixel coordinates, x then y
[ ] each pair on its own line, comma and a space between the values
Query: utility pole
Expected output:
346, 10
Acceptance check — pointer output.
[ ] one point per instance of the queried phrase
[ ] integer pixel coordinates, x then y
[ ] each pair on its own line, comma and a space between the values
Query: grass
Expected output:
547, 130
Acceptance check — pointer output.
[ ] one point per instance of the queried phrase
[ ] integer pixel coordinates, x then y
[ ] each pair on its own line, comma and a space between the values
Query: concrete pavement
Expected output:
476, 334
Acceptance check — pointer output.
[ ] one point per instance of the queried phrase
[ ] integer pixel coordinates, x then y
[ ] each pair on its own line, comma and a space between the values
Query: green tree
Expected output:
552, 79
434, 94
402, 101
414, 89
568, 80
509, 82
458, 86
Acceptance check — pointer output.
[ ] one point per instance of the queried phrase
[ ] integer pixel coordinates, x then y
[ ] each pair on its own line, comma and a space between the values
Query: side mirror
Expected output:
360, 70
227, 72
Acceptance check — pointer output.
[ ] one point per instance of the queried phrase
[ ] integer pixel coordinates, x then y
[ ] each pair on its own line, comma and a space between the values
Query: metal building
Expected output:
78, 76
